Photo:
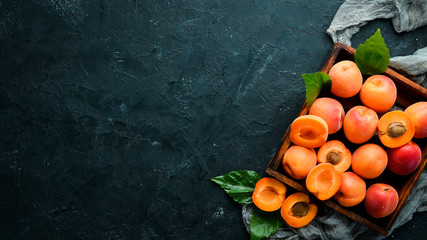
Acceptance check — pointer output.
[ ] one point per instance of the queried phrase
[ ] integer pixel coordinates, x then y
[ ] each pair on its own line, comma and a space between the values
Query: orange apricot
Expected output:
378, 93
323, 181
360, 124
269, 194
369, 160
346, 79
297, 210
331, 111
395, 129
298, 161
418, 114
309, 131
352, 190
335, 153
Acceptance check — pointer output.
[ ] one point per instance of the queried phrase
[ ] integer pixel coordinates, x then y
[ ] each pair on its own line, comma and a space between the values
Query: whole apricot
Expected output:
405, 159
331, 111
369, 160
360, 124
269, 194
418, 114
381, 200
352, 190
346, 79
379, 93
298, 161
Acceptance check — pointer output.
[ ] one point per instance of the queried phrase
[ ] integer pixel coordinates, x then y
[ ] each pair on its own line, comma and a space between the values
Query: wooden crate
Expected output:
408, 92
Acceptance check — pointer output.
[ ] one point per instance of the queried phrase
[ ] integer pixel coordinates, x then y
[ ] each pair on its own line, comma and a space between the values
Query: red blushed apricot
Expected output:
395, 129
378, 93
352, 190
335, 153
405, 159
346, 79
369, 160
269, 194
418, 114
381, 200
360, 124
297, 211
309, 131
298, 161
323, 181
331, 111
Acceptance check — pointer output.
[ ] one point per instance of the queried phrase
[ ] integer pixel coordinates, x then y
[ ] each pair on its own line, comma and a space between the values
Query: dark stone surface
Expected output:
115, 114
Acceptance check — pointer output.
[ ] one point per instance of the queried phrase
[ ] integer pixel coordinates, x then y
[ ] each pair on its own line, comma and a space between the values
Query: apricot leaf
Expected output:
239, 185
314, 83
372, 57
263, 224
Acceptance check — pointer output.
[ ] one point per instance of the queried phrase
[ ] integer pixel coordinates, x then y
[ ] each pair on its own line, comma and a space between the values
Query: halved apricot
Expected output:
309, 131
269, 194
335, 153
297, 210
395, 129
323, 181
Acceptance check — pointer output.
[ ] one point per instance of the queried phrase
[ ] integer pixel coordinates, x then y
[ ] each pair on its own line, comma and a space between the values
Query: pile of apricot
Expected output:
327, 166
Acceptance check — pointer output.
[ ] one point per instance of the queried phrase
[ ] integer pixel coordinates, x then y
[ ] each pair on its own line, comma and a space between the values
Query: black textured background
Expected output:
114, 115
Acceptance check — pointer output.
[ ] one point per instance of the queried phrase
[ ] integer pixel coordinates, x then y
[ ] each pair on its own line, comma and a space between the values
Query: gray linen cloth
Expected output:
406, 15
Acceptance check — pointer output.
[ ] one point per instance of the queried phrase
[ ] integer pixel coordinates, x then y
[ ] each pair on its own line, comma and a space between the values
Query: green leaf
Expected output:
314, 83
373, 56
239, 184
263, 224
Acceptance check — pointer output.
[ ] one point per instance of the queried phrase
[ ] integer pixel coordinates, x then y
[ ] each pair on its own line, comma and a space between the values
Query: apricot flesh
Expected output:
297, 210
331, 111
346, 79
381, 200
335, 153
369, 160
298, 161
269, 194
379, 93
395, 128
323, 181
352, 190
418, 114
309, 131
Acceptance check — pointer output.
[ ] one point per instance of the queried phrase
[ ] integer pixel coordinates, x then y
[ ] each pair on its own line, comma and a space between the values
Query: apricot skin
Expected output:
405, 159
352, 190
360, 124
381, 200
369, 160
346, 79
418, 114
269, 194
379, 93
298, 161
331, 111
